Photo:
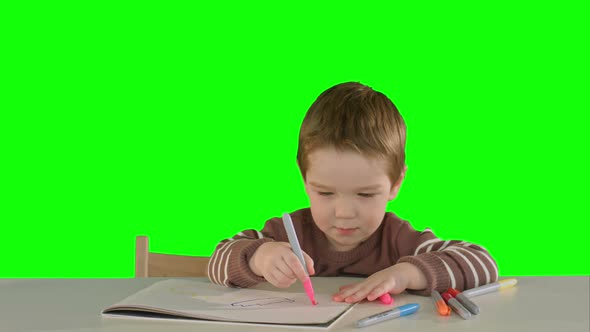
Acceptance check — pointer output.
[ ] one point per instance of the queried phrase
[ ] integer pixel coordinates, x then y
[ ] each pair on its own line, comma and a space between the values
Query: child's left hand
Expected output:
394, 280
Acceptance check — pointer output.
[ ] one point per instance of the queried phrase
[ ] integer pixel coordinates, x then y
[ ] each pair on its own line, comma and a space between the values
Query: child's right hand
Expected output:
278, 264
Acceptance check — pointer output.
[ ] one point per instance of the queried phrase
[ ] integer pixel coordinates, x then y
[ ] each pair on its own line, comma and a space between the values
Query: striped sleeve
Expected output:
450, 263
228, 265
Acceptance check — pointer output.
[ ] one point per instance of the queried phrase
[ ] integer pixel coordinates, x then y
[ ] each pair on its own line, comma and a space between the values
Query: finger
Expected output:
396, 289
295, 266
347, 291
282, 280
377, 291
309, 263
338, 295
285, 269
271, 279
360, 294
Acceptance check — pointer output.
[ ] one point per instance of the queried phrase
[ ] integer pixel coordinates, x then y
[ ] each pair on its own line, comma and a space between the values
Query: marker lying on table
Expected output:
288, 223
396, 312
489, 287
386, 299
442, 308
458, 307
467, 303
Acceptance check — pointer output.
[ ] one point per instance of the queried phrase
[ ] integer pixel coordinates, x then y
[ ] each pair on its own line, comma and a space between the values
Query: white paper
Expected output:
204, 300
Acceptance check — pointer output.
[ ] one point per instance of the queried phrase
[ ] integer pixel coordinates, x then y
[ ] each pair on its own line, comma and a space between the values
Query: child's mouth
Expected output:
345, 231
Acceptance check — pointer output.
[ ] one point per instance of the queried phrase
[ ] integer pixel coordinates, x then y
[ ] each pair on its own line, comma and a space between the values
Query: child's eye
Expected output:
324, 193
366, 195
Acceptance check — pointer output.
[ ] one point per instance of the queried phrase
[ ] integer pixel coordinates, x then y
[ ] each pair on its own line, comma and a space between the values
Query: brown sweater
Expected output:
445, 264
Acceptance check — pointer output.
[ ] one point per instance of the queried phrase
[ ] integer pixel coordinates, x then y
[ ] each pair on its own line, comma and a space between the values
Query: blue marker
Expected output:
396, 312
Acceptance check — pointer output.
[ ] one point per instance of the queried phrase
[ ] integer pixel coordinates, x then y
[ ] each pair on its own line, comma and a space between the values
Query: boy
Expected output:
352, 158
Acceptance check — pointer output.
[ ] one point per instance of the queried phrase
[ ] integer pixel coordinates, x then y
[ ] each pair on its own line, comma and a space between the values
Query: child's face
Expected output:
348, 194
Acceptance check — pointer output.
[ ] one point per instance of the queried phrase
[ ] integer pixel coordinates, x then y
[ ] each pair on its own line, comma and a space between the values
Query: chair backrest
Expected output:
149, 264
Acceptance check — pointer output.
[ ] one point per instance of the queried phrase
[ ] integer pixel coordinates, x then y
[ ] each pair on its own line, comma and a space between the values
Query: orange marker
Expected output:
441, 306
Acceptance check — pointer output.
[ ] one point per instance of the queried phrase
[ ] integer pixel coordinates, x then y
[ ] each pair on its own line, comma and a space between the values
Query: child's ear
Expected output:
398, 184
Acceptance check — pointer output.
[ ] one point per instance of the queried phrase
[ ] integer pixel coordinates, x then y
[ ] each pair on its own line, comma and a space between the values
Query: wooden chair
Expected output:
149, 264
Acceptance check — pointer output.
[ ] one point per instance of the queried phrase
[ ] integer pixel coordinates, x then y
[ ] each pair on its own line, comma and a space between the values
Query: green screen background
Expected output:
180, 122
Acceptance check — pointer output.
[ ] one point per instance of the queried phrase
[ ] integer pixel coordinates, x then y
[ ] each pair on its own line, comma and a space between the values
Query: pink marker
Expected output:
288, 223
309, 291
386, 298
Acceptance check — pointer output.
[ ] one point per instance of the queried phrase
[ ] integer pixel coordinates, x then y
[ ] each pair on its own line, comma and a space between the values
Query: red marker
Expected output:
467, 303
458, 307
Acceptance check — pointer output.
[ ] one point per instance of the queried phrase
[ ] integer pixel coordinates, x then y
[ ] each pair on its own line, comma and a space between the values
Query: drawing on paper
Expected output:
195, 299
231, 297
262, 302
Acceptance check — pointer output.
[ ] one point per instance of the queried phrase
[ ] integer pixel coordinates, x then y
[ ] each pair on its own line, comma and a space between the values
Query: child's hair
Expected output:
352, 116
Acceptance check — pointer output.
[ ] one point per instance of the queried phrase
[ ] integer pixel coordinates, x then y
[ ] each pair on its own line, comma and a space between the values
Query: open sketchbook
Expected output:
201, 300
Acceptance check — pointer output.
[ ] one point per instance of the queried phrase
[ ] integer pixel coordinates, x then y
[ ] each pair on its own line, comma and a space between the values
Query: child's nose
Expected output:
344, 210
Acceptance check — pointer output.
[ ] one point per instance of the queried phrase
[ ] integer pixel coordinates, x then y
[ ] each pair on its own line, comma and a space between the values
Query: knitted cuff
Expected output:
437, 276
241, 273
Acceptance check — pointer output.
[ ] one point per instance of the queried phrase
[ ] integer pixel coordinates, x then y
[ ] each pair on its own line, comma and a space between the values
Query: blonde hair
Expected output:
353, 116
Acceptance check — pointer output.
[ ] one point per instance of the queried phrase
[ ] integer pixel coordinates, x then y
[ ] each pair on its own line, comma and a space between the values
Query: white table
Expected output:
535, 304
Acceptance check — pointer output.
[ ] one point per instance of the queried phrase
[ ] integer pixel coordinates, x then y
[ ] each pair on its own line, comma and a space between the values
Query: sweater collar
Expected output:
362, 250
